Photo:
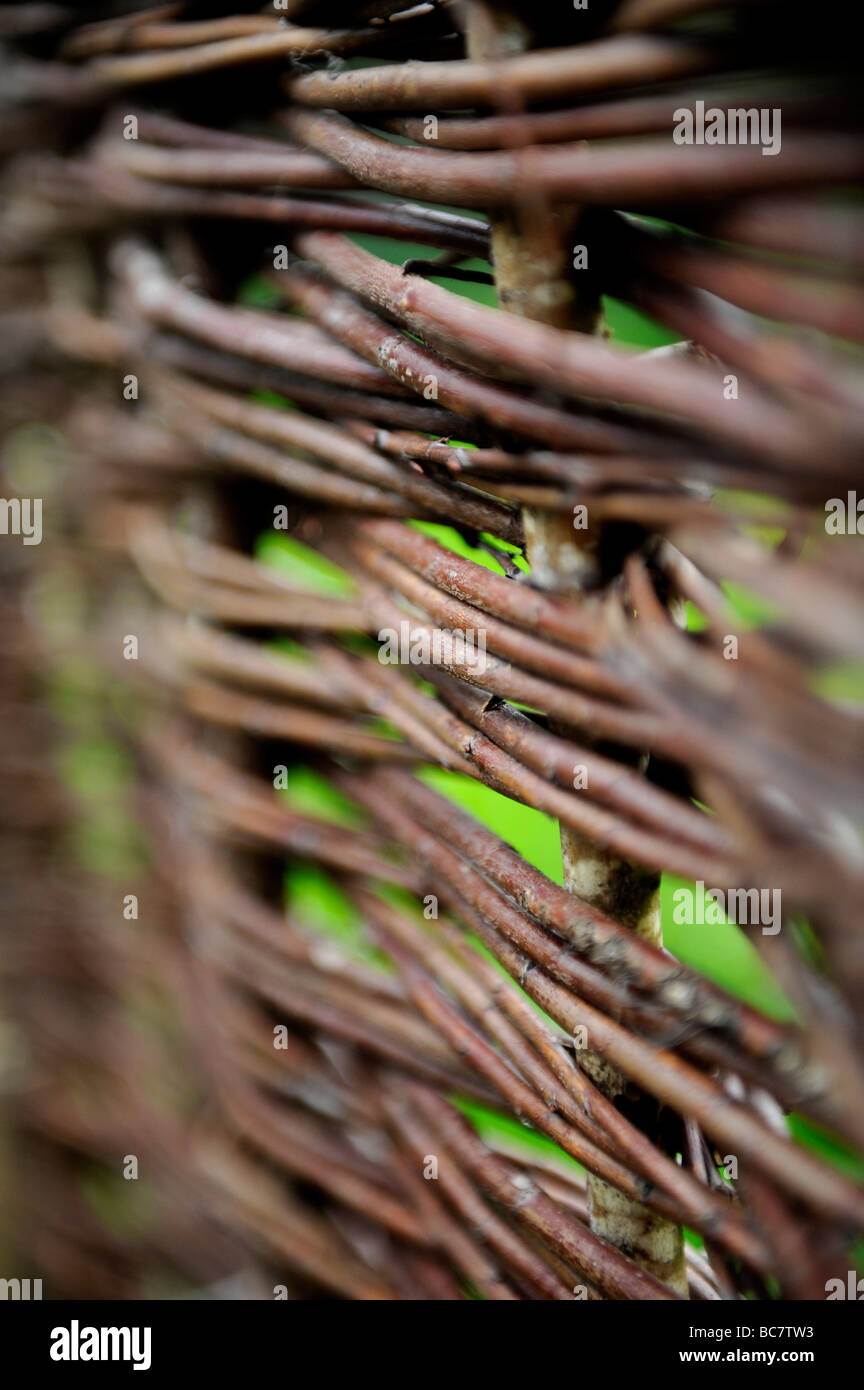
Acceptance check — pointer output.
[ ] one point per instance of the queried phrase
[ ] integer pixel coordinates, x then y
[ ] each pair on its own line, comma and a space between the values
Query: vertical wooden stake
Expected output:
532, 250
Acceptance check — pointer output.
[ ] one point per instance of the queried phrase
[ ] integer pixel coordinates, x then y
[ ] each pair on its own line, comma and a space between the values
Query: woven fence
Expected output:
441, 426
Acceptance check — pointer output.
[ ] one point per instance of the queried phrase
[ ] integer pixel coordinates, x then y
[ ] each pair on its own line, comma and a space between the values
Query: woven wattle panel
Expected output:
390, 390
